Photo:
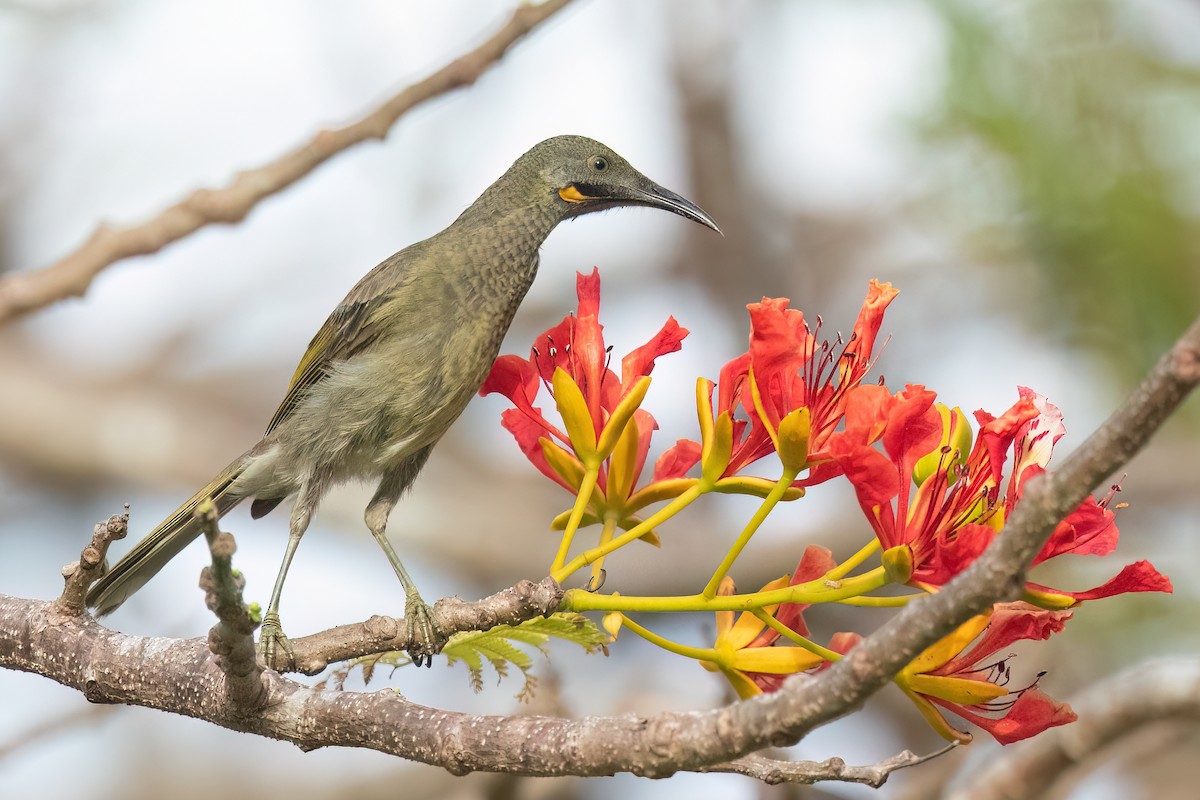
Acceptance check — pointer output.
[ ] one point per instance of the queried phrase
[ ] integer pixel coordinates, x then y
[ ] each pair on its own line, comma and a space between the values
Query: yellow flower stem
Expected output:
791, 635
698, 653
559, 572
820, 590
843, 569
582, 498
606, 535
766, 507
880, 602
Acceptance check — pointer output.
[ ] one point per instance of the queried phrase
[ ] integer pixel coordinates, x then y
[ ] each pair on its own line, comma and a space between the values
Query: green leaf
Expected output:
501, 647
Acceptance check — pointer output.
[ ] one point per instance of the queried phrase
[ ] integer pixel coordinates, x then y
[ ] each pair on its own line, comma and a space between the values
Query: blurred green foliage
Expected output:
1080, 130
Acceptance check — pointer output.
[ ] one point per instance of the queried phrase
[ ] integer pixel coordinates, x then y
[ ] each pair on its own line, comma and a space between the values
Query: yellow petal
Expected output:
1052, 601
659, 491
704, 409
562, 462
793, 440
949, 647
744, 687
762, 413
898, 563
934, 717
776, 660
759, 487
622, 465
963, 691
717, 450
572, 407
618, 420
559, 523
612, 622
725, 618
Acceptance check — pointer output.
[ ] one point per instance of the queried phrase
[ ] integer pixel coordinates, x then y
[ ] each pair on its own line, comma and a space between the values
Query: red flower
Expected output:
789, 369
576, 346
745, 650
933, 493
953, 674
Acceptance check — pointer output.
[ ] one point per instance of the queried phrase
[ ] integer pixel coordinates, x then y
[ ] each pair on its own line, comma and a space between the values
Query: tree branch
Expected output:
24, 292
178, 676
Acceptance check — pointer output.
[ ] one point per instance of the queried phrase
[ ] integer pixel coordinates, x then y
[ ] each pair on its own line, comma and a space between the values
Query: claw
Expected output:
271, 636
425, 641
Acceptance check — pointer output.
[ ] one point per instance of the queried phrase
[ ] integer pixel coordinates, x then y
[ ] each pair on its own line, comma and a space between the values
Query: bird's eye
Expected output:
598, 163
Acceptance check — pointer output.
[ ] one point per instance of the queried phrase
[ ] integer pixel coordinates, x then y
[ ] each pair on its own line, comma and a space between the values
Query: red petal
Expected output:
641, 361
1010, 622
1032, 713
780, 346
866, 328
1140, 576
1089, 530
914, 427
815, 562
527, 433
514, 377
646, 426
676, 462
996, 434
940, 561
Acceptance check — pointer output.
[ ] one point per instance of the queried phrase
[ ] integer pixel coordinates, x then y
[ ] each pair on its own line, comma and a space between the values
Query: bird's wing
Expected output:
349, 329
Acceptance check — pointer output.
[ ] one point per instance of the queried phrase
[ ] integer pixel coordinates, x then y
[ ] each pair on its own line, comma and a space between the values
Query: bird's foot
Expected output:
425, 641
271, 641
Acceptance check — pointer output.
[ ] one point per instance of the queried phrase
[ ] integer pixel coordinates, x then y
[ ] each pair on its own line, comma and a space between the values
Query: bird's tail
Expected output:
152, 553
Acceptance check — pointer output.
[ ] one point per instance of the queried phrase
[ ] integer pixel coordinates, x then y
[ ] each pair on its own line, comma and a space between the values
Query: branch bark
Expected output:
180, 676
25, 292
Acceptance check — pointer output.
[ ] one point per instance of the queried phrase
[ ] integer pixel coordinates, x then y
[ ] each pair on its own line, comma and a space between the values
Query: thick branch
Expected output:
23, 292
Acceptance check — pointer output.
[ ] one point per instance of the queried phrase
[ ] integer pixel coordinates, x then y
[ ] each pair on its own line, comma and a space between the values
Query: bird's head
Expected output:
583, 175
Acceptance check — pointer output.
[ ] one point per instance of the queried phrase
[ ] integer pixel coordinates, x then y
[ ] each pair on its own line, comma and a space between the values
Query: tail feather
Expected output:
162, 544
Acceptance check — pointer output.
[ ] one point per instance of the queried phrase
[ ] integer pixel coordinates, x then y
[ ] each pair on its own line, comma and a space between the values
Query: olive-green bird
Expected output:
396, 363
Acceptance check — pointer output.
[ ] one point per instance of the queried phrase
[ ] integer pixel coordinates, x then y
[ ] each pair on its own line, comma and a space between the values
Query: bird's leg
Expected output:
271, 636
424, 640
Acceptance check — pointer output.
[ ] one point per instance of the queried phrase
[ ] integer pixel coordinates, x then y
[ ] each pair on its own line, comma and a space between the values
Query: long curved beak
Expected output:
655, 196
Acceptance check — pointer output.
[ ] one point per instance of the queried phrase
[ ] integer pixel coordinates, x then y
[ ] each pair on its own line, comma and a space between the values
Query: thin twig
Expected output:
79, 575
231, 640
774, 771
24, 292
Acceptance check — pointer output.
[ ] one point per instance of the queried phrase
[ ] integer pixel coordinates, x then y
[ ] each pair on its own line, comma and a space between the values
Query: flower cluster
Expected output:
935, 491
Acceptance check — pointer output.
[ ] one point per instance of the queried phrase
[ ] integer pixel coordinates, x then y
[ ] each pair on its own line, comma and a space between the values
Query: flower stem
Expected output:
606, 535
582, 498
868, 601
791, 635
820, 590
559, 572
766, 507
841, 570
698, 653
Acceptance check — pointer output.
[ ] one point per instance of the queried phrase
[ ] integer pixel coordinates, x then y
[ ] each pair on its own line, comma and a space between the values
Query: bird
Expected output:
395, 364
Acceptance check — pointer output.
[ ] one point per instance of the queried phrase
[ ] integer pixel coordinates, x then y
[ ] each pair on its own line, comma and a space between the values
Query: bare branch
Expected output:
231, 640
79, 575
24, 292
1154, 692
774, 771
